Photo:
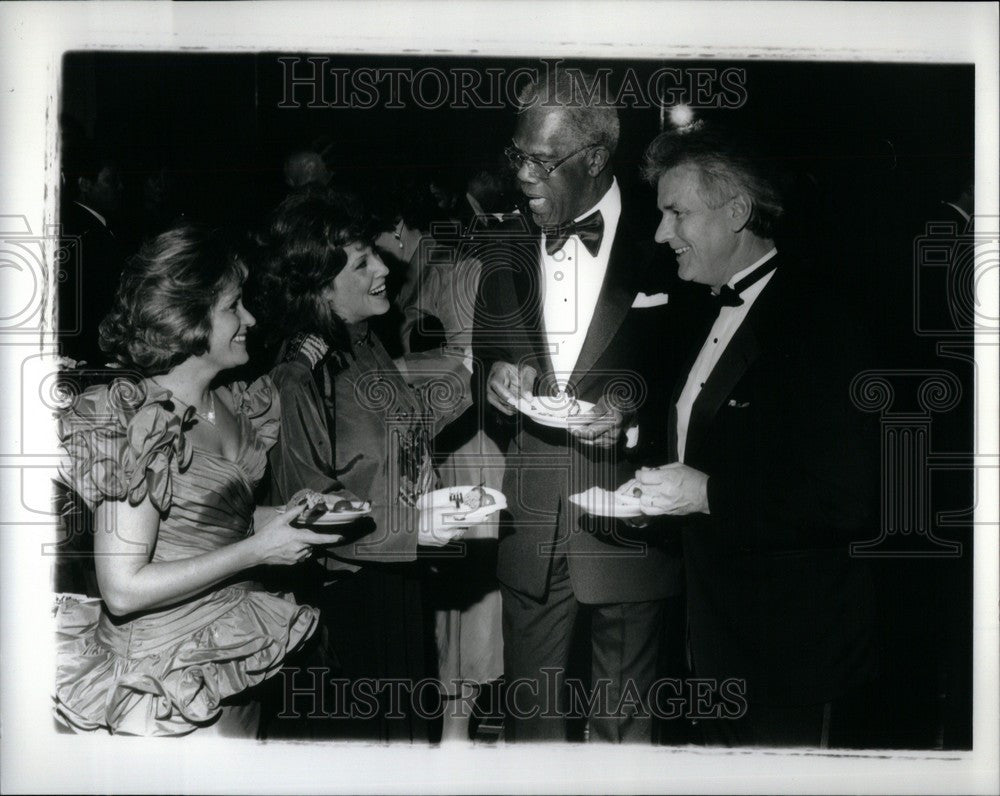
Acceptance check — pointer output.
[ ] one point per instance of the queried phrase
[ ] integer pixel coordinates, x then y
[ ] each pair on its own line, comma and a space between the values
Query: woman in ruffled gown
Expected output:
168, 461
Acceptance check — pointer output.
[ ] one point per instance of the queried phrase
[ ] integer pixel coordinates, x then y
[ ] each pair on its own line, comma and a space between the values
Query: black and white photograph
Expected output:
499, 397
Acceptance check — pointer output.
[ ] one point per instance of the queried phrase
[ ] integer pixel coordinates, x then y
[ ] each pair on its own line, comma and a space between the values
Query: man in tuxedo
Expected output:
772, 467
567, 302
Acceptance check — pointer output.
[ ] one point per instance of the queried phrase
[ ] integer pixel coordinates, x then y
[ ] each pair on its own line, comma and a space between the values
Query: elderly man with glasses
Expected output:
569, 305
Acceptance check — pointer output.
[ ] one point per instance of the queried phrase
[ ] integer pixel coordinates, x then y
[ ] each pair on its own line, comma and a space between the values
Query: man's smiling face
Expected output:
702, 237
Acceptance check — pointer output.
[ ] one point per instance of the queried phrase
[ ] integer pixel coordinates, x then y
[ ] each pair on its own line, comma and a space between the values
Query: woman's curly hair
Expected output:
162, 313
301, 252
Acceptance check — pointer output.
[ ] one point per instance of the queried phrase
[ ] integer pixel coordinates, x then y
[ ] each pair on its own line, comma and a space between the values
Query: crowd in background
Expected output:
352, 304
422, 618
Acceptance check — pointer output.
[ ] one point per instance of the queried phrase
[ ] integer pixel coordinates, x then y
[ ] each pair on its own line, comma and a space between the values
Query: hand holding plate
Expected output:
674, 489
604, 430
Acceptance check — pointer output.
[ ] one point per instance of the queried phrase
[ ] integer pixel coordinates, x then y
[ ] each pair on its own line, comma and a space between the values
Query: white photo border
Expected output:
33, 38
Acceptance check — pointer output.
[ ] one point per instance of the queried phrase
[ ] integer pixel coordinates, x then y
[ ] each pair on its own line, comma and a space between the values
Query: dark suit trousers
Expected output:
538, 638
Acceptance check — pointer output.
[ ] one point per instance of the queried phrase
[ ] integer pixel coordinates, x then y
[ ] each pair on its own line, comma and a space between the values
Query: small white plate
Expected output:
547, 412
437, 501
334, 517
340, 517
603, 503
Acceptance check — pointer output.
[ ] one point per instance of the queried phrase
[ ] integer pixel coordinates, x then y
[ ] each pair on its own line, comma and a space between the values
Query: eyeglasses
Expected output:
540, 168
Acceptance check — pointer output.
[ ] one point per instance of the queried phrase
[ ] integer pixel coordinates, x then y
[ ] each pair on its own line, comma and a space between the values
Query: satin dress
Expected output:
170, 671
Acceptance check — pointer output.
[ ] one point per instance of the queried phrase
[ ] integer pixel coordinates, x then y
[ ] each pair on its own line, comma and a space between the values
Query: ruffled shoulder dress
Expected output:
167, 671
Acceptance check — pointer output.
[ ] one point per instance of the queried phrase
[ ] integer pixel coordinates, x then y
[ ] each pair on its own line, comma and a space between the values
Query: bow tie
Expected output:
730, 296
726, 297
589, 230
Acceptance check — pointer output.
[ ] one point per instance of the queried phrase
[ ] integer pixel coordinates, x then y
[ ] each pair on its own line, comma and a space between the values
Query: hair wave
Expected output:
300, 253
162, 312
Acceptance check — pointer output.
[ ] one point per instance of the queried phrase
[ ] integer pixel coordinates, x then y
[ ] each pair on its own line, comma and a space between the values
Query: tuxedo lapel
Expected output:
684, 371
692, 356
672, 433
741, 352
526, 275
613, 303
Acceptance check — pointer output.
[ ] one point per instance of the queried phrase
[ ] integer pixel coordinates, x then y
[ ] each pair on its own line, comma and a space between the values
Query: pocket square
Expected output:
738, 404
657, 299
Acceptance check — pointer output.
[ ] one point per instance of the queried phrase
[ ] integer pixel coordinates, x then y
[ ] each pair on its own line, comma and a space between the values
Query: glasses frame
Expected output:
518, 158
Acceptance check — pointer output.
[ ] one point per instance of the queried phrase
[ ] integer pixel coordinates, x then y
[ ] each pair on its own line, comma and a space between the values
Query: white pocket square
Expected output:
657, 299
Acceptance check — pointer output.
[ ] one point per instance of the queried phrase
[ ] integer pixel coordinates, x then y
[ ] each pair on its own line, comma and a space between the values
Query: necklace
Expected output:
208, 417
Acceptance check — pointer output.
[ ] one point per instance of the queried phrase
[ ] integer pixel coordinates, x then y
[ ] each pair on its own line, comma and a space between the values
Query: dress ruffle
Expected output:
168, 671
122, 442
180, 687
259, 403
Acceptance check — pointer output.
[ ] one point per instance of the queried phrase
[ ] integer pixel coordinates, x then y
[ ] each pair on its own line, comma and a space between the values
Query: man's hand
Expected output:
508, 383
674, 489
604, 430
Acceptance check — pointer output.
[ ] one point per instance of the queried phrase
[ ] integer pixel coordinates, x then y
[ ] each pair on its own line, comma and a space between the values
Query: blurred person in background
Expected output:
438, 308
92, 251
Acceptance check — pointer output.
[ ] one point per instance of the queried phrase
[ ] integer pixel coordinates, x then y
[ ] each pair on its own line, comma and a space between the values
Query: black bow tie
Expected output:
589, 230
726, 297
730, 296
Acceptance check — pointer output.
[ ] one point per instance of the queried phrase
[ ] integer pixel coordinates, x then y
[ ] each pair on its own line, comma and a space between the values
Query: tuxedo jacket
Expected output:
773, 595
607, 562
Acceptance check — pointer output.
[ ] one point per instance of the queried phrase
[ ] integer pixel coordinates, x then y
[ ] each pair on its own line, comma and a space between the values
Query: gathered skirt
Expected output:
173, 671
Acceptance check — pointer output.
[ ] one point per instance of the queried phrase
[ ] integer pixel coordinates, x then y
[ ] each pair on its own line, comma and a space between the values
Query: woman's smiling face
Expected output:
358, 291
227, 344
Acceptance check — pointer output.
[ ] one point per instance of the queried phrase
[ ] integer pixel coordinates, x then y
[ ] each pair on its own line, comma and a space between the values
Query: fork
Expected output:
456, 498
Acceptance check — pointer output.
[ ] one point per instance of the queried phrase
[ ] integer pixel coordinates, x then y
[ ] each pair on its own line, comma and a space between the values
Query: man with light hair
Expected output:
772, 469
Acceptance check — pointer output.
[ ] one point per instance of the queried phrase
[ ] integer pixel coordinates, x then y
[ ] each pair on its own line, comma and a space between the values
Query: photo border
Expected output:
33, 38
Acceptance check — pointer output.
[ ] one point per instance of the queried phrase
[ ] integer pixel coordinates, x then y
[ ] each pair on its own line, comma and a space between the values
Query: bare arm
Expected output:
129, 581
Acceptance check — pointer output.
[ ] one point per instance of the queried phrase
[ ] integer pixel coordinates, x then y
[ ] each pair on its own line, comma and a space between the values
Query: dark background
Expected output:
873, 149
868, 134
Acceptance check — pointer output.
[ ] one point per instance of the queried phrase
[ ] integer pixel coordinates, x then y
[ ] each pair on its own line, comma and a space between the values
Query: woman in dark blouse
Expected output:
350, 421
